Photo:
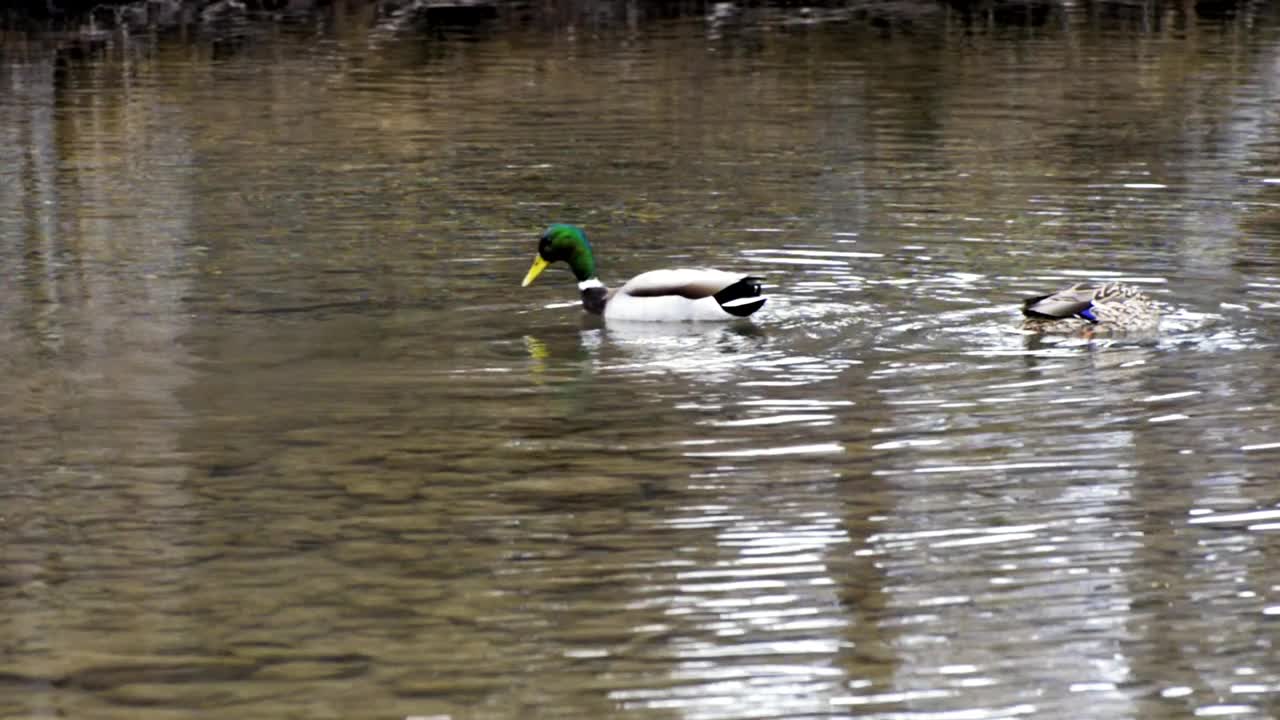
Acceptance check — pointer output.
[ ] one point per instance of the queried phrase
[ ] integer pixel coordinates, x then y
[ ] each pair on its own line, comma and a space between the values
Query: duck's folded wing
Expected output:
1062, 304
690, 283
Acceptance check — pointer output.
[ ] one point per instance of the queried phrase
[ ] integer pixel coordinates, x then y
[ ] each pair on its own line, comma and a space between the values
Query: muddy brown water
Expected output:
283, 437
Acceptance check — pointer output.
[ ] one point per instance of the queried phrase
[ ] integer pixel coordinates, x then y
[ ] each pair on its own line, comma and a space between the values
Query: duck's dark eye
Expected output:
544, 246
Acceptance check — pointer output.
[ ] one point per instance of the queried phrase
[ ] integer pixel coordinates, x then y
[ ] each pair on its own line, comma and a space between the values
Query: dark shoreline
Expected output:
97, 21
62, 14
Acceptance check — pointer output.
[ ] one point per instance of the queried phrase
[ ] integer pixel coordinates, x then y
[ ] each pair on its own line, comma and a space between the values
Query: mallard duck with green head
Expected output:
680, 294
1109, 308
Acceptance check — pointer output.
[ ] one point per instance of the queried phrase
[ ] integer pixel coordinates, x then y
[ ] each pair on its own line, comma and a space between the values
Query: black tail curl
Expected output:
746, 288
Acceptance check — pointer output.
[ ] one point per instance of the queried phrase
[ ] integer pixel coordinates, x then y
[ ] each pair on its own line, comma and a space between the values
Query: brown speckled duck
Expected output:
1109, 308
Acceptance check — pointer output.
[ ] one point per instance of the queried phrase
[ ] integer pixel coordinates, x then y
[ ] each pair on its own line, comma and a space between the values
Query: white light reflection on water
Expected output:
953, 575
768, 616
1235, 518
808, 419
817, 449
713, 353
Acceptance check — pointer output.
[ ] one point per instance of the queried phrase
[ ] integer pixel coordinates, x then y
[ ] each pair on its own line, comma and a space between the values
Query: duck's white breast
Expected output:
663, 308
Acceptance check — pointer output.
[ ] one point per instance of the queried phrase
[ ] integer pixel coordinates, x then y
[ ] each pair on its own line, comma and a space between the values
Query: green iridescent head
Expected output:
567, 243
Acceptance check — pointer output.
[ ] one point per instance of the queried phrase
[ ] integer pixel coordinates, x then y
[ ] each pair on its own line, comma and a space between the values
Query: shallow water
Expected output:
285, 438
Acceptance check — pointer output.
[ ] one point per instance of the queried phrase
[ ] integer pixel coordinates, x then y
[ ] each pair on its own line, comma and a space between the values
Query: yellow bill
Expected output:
538, 266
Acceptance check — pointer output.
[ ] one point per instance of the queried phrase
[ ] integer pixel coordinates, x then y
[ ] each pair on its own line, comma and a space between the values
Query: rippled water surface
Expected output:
283, 437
